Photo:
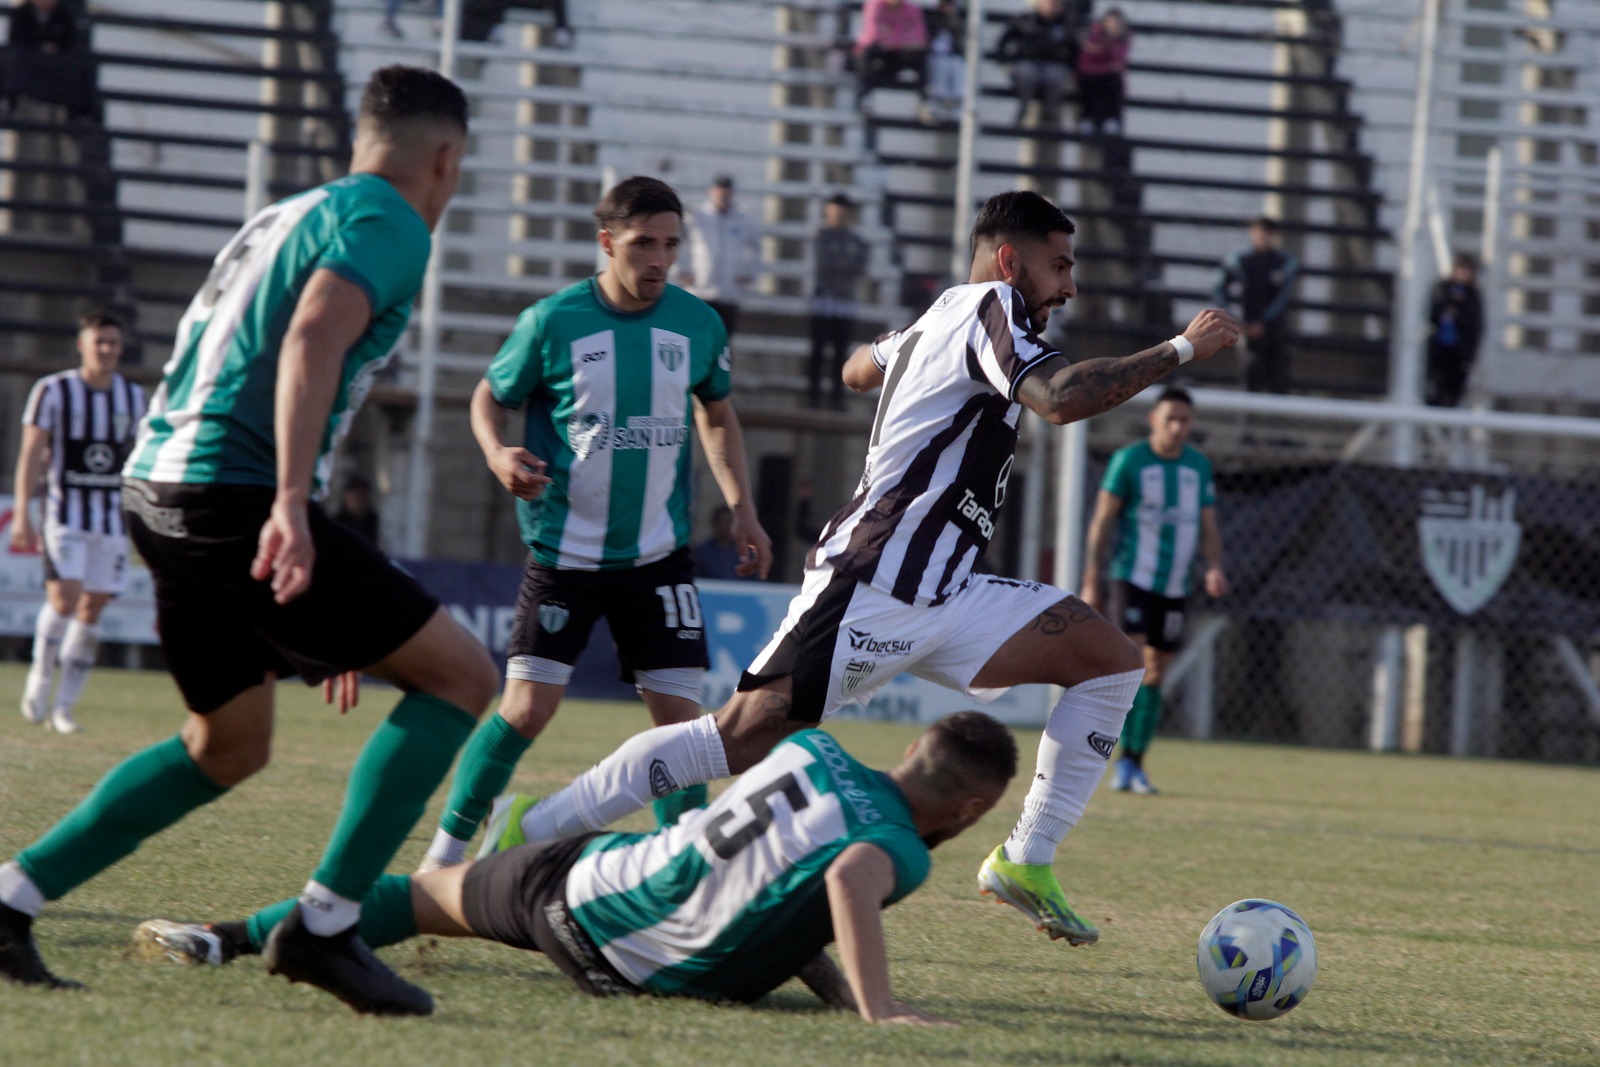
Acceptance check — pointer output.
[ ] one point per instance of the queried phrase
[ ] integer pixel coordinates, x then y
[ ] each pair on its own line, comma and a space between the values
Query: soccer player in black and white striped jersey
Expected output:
892, 586
76, 432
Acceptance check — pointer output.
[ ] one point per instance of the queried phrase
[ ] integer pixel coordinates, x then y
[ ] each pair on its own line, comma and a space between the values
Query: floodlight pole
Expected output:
966, 148
419, 474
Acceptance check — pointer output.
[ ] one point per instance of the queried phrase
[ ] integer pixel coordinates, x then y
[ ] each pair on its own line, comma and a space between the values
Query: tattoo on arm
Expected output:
1088, 388
1059, 617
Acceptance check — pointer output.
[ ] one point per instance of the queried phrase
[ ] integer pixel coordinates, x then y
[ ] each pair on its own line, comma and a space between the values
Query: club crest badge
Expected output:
553, 617
1469, 543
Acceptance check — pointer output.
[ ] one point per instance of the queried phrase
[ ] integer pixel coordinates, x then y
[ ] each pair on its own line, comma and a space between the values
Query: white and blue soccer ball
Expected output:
1257, 959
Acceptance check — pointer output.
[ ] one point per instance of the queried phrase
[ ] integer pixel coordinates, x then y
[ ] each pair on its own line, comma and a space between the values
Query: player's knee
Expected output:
1114, 653
750, 725
479, 683
228, 765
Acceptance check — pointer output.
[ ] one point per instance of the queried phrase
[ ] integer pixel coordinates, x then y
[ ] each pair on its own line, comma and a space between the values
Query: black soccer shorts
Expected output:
1159, 619
221, 630
653, 612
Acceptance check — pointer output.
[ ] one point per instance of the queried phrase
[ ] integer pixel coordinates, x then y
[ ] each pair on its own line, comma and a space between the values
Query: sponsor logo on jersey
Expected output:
587, 432
856, 672
1102, 744
843, 775
1002, 481
650, 431
553, 617
99, 457
594, 355
861, 641
981, 516
725, 361
1469, 543
661, 780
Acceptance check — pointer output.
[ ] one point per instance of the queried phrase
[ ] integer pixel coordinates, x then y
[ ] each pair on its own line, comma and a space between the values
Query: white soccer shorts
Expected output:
865, 637
99, 561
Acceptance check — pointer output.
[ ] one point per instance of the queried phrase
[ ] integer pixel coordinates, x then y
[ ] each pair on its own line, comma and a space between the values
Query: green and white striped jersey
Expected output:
607, 395
730, 903
211, 420
1158, 529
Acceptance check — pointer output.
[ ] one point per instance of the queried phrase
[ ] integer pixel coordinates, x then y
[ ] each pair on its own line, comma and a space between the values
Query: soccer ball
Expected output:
1257, 959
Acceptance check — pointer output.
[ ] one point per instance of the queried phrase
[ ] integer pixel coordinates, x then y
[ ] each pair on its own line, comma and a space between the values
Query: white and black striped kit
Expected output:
942, 446
91, 431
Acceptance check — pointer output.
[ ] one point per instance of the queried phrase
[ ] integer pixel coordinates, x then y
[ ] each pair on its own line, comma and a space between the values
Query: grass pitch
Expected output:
1454, 904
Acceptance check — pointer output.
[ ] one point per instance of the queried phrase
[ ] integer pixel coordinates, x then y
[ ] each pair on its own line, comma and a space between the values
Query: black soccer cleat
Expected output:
344, 966
19, 956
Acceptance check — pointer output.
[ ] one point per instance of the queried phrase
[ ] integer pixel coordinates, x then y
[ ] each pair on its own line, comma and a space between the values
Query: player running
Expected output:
891, 585
805, 848
1157, 504
76, 430
609, 371
272, 358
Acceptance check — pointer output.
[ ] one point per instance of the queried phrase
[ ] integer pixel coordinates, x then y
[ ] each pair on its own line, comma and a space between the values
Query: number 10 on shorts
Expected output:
681, 603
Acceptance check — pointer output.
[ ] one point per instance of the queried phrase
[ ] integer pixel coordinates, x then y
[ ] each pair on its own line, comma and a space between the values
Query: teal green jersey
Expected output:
608, 409
731, 902
211, 420
1159, 527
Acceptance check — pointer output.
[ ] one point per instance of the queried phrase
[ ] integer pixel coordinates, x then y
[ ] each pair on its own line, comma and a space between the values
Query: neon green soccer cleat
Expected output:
505, 823
1032, 889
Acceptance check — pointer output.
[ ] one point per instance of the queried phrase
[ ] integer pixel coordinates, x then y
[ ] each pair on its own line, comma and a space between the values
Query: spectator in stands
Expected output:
43, 26
1261, 280
893, 40
840, 259
947, 66
355, 508
391, 16
719, 556
1041, 45
722, 252
1455, 326
1102, 68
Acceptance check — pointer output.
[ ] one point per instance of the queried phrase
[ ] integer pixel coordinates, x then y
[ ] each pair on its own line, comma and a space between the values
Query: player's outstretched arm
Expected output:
861, 371
518, 470
329, 318
722, 437
859, 880
1070, 392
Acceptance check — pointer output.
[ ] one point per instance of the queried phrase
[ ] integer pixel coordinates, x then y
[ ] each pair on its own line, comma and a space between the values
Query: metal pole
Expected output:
966, 148
1405, 357
1073, 480
419, 477
255, 177
1037, 437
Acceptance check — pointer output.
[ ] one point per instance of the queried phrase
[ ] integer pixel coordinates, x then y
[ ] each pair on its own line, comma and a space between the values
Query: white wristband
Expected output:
1184, 349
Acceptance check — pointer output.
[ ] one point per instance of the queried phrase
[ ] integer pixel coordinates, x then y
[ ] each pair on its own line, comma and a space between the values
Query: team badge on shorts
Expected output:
856, 672
553, 617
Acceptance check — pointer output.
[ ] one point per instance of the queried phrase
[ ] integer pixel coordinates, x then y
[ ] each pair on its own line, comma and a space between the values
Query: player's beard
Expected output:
1038, 312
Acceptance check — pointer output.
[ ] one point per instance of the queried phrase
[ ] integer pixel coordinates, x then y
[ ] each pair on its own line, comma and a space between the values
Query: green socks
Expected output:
403, 762
485, 773
137, 799
1140, 728
670, 808
386, 914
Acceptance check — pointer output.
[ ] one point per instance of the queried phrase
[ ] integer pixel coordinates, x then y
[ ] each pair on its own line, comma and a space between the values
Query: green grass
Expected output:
1454, 904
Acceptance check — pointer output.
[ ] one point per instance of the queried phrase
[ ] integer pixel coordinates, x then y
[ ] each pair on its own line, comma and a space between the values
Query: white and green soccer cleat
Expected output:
1032, 889
505, 823
193, 943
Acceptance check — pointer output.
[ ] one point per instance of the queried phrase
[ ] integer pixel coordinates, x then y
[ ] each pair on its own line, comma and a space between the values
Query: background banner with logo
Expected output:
1383, 546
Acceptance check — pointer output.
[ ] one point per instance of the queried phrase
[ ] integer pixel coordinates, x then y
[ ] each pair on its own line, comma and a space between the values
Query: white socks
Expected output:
47, 633
1083, 730
647, 766
18, 891
77, 657
448, 850
325, 912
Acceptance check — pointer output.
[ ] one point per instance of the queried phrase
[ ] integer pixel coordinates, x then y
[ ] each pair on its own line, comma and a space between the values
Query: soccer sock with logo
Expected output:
653, 764
1082, 731
670, 808
77, 659
48, 630
1140, 728
138, 798
487, 764
403, 762
386, 915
